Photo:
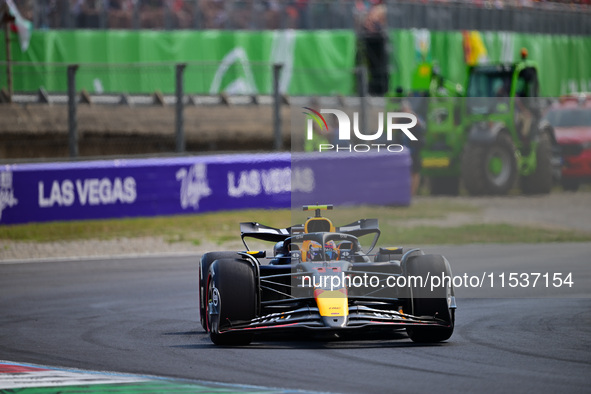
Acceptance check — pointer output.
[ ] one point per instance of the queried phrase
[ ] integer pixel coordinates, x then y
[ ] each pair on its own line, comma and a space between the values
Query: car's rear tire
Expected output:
540, 181
425, 302
231, 298
206, 260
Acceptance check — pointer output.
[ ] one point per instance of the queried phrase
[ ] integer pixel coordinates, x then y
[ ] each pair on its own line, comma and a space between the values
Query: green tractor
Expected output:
490, 137
437, 102
445, 136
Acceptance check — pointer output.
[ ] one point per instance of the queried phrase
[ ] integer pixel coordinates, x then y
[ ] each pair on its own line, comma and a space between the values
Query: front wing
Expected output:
360, 318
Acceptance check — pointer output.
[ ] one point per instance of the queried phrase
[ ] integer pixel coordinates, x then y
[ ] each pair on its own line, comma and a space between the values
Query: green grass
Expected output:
220, 228
424, 209
478, 233
191, 228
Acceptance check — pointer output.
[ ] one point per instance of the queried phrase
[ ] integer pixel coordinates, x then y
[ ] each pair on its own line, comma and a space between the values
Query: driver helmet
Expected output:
331, 251
314, 252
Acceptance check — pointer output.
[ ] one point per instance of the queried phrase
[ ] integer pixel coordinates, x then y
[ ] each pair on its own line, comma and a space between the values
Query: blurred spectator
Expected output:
498, 4
213, 13
297, 14
41, 11
369, 15
120, 14
182, 13
75, 10
26, 8
373, 36
375, 22
152, 14
526, 3
241, 15
271, 15
46, 13
61, 15
90, 14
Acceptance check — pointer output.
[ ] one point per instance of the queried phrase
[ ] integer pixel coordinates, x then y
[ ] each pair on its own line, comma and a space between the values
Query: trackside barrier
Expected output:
171, 186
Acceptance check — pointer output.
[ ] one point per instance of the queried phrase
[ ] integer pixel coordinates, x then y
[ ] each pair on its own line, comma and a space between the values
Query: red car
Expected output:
571, 118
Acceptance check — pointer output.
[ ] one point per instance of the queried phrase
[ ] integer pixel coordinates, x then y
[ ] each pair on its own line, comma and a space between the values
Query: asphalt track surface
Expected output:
140, 316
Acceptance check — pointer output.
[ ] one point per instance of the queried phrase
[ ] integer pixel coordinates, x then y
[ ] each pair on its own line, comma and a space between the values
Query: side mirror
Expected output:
259, 254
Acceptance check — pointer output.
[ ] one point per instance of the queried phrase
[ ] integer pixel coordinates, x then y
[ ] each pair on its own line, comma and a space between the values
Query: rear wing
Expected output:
362, 227
270, 234
264, 233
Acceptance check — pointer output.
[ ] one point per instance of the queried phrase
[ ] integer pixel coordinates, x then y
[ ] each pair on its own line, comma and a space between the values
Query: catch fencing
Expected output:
499, 15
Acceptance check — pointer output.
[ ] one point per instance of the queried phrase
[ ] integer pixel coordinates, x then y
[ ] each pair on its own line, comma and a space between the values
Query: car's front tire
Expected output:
206, 260
427, 302
231, 298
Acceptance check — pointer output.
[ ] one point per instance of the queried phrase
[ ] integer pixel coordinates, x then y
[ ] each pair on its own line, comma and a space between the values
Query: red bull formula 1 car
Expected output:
320, 280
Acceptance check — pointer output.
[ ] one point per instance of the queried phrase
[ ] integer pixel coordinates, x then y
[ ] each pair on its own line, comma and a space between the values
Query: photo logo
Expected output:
395, 121
318, 118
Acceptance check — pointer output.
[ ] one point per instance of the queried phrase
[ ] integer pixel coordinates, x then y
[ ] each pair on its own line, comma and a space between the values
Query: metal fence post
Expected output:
361, 73
278, 143
179, 132
135, 20
8, 57
103, 18
167, 16
72, 118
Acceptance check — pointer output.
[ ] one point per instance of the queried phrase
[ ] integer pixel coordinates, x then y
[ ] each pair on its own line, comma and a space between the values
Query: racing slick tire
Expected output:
425, 302
206, 260
540, 181
231, 298
489, 168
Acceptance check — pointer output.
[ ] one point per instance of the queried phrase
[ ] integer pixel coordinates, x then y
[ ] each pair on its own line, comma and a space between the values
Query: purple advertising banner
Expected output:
343, 178
171, 186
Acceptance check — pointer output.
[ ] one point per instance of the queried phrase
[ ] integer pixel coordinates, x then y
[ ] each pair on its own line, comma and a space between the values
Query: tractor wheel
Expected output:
569, 184
540, 181
445, 185
490, 168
